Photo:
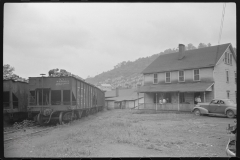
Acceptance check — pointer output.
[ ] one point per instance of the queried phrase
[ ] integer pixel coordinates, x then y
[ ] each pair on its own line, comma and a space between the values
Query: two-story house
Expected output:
181, 76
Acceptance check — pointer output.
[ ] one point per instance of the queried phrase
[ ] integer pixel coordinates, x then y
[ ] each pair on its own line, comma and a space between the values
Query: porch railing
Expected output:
165, 107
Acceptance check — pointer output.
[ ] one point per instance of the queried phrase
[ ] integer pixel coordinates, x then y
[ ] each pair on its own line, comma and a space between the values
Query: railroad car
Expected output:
15, 97
62, 99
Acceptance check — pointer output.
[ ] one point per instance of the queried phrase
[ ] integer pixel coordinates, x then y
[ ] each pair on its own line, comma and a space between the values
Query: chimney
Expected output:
117, 92
181, 51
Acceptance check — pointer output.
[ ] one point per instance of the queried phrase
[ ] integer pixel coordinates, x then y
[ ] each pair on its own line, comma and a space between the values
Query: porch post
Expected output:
156, 101
178, 101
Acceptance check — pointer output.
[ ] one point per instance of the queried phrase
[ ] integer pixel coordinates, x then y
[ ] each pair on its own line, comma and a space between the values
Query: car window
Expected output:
221, 102
214, 101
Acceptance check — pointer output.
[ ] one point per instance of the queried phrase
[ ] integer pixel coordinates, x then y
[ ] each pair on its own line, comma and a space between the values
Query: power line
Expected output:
220, 33
221, 26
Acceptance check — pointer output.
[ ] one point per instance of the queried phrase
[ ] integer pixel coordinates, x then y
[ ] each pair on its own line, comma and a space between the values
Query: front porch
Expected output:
179, 97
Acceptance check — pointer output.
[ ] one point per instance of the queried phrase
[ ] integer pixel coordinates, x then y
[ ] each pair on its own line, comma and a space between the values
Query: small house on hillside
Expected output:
181, 76
123, 99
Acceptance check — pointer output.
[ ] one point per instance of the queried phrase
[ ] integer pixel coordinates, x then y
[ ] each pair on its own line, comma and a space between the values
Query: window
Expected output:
227, 76
155, 78
168, 77
196, 75
228, 94
214, 101
181, 76
230, 59
181, 97
226, 57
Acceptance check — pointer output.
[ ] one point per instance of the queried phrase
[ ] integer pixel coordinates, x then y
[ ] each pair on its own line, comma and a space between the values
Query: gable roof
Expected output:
111, 93
197, 58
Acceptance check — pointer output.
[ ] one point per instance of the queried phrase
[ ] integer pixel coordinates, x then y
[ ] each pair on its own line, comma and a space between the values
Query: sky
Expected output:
87, 39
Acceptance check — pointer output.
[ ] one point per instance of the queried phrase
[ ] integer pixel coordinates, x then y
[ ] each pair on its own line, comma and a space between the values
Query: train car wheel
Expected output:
40, 120
67, 117
60, 118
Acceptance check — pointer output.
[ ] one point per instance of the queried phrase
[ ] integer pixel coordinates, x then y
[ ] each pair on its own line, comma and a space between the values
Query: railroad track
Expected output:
27, 134
8, 132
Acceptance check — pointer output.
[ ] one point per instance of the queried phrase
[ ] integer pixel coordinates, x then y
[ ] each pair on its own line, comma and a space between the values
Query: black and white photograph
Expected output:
119, 79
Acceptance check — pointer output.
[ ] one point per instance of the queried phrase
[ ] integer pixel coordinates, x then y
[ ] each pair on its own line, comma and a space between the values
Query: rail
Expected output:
32, 133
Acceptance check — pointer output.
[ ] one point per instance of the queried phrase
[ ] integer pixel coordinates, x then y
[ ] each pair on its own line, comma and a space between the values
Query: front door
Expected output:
221, 107
212, 106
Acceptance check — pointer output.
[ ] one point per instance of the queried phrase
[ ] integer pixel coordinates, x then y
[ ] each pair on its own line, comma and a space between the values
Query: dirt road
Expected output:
125, 133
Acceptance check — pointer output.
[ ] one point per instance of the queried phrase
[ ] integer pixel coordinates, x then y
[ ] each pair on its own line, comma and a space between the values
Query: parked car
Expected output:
216, 106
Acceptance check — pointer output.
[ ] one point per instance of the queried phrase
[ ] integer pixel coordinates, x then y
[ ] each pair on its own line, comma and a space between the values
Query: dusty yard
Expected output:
126, 133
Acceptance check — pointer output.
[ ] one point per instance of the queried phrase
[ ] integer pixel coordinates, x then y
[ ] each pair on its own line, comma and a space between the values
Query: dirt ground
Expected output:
129, 133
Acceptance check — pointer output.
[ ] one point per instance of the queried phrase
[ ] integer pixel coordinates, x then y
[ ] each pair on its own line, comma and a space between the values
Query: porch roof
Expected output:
178, 87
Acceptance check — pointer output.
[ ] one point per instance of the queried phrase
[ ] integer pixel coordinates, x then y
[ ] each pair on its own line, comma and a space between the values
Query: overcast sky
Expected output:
87, 39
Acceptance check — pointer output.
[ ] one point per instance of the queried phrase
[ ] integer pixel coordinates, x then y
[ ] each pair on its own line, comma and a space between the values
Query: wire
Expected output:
221, 26
220, 33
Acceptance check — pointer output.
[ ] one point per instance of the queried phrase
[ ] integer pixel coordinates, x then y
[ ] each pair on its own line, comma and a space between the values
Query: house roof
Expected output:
111, 93
197, 58
124, 94
178, 87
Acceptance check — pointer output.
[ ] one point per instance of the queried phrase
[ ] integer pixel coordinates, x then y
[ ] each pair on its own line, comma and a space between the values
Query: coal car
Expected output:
15, 97
62, 99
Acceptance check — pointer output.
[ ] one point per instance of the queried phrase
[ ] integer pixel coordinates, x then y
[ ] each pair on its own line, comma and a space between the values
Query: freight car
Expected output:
62, 99
15, 96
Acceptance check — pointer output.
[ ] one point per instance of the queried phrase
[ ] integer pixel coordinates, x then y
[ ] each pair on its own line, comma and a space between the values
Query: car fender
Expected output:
202, 110
232, 109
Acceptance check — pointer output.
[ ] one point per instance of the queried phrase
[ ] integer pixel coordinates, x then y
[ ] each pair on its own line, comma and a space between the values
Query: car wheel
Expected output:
230, 114
197, 112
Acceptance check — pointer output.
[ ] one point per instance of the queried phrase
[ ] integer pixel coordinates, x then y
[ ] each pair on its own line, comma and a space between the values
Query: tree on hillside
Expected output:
202, 45
7, 70
190, 46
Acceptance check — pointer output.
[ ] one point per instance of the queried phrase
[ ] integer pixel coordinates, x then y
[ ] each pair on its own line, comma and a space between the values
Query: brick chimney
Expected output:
181, 51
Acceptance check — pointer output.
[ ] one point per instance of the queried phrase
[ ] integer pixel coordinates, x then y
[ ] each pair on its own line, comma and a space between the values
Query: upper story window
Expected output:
168, 77
228, 58
196, 76
155, 78
181, 76
228, 94
227, 76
